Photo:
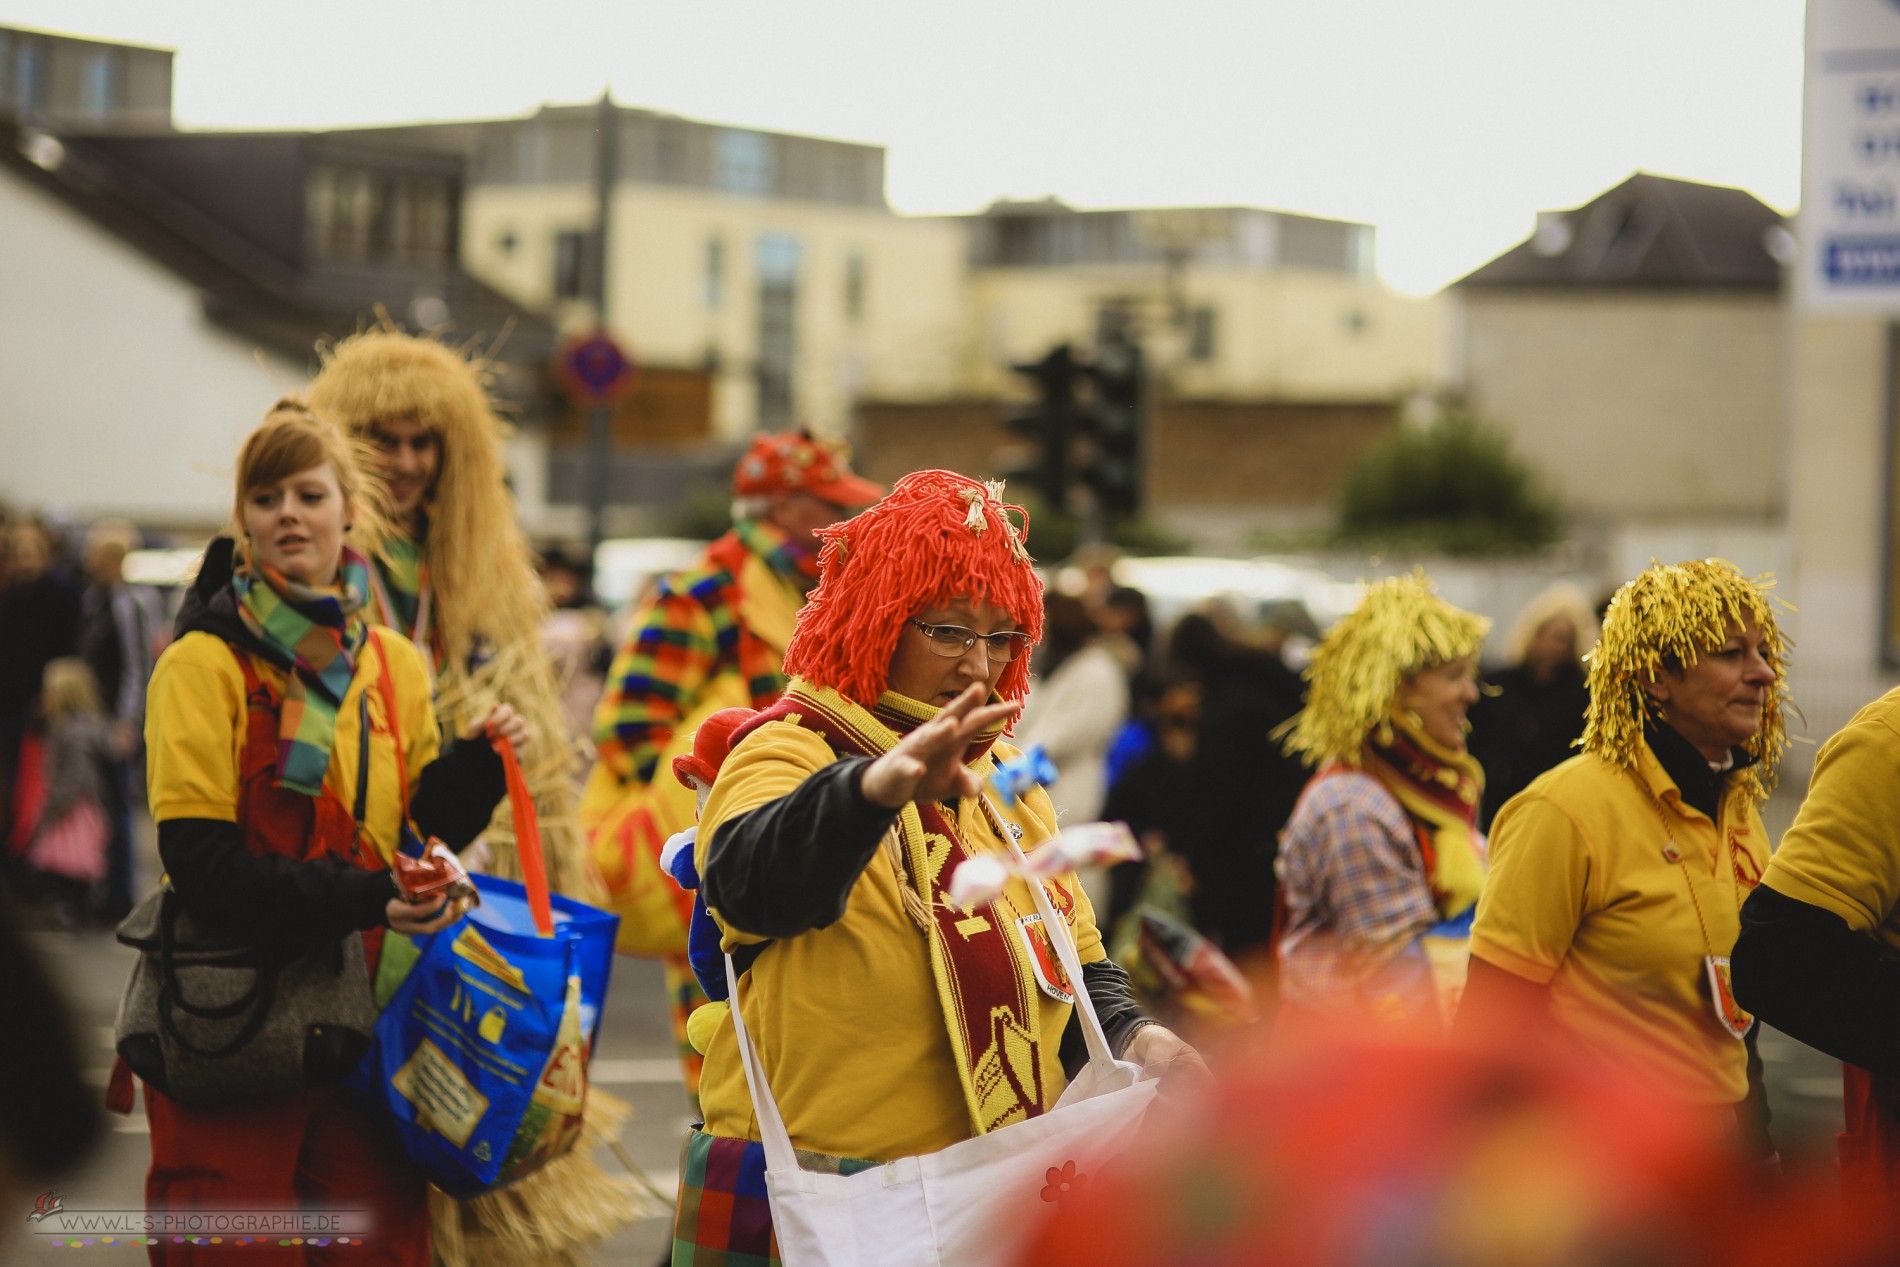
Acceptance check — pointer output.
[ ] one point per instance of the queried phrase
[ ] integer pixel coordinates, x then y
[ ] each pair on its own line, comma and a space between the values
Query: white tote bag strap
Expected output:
772, 1133
1058, 931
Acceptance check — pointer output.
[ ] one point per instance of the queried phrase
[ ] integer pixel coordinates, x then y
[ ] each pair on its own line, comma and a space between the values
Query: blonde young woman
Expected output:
256, 720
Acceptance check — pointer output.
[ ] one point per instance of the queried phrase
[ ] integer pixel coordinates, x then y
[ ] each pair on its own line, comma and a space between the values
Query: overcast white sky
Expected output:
1446, 123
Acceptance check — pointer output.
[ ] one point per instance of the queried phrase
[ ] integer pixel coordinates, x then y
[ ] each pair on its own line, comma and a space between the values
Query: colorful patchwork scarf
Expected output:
1439, 789
798, 564
313, 635
985, 980
399, 581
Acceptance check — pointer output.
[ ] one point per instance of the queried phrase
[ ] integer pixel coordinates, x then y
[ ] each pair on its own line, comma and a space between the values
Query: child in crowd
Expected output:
68, 850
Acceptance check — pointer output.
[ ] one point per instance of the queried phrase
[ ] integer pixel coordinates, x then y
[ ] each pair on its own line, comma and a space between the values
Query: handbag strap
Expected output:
534, 871
258, 998
779, 1155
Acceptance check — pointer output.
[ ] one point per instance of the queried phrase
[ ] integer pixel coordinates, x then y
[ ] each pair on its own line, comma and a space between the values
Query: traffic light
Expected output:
1113, 427
1049, 426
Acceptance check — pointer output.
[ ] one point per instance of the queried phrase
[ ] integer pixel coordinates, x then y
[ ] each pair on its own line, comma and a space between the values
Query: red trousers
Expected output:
322, 1149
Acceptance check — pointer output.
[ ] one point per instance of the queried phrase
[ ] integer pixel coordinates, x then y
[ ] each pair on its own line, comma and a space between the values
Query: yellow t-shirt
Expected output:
1582, 899
195, 719
1841, 853
846, 1019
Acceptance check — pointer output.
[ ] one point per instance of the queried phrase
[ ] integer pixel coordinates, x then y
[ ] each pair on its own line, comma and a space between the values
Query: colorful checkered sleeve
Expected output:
1357, 895
675, 646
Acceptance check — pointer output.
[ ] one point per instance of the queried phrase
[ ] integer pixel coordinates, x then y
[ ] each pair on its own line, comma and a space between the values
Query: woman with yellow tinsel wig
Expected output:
1381, 863
1617, 878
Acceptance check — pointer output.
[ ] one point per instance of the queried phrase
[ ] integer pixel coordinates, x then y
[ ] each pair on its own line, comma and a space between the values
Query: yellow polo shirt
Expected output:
846, 1019
1582, 899
195, 718
1843, 852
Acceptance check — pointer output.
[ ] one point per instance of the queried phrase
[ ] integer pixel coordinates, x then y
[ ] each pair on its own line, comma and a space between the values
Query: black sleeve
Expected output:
271, 900
458, 792
1753, 1114
788, 866
1804, 971
1113, 995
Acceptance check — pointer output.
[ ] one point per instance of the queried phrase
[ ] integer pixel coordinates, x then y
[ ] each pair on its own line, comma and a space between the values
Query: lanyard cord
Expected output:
1673, 854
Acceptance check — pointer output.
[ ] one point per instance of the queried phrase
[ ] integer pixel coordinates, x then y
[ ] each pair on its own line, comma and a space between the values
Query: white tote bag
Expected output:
968, 1205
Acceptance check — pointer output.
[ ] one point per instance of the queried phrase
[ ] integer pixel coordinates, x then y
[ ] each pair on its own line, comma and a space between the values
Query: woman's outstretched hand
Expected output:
928, 764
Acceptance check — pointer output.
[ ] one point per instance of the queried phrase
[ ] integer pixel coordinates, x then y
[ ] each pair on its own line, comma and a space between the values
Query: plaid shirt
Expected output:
686, 635
1357, 901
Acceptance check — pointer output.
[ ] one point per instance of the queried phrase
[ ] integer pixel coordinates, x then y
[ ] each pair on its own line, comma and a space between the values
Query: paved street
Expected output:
633, 1061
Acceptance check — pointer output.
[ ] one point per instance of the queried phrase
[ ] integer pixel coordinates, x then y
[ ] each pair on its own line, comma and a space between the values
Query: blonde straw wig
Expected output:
1668, 618
1400, 627
479, 565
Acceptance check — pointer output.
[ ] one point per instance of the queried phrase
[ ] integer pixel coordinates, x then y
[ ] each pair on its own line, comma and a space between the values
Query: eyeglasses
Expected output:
951, 641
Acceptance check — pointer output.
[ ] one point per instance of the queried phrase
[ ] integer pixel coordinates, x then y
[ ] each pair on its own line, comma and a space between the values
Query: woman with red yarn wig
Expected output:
890, 1022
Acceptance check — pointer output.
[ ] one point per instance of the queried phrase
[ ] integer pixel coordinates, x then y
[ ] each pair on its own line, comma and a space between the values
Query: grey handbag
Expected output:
216, 1022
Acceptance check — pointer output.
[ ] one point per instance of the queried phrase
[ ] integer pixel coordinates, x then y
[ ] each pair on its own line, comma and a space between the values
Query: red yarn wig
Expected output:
937, 536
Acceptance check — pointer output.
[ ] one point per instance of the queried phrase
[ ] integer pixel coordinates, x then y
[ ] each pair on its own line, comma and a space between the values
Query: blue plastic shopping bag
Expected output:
481, 1053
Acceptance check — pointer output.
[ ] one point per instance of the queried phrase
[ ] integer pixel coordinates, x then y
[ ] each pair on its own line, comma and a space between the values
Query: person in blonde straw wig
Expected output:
454, 574
1617, 879
1381, 863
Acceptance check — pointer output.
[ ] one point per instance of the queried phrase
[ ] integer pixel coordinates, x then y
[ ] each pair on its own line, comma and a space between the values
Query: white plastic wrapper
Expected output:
1085, 845
978, 880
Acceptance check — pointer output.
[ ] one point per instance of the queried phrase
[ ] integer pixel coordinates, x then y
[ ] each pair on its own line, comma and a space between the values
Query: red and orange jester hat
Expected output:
935, 537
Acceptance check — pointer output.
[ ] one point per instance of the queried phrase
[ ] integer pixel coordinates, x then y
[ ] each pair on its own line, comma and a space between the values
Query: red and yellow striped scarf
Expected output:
1439, 789
985, 982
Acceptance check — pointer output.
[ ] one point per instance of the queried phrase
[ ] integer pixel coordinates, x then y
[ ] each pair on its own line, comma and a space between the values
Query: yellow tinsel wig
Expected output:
479, 565
936, 536
1669, 617
1400, 627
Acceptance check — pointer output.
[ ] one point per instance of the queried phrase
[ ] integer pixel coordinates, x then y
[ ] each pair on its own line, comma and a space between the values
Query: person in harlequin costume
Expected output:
452, 573
709, 638
880, 1007
255, 722
1617, 879
1381, 862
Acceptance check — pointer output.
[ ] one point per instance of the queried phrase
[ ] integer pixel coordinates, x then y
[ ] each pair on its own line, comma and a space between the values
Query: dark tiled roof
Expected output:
1648, 232
251, 292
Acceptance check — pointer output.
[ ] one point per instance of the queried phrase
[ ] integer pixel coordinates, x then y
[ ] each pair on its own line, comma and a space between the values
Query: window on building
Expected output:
669, 161
428, 223
742, 162
99, 83
364, 217
778, 257
1202, 331
507, 242
6, 68
345, 210
29, 76
715, 273
570, 264
854, 286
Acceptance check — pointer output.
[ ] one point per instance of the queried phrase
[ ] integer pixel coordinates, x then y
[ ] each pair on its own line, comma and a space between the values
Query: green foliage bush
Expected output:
1454, 486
